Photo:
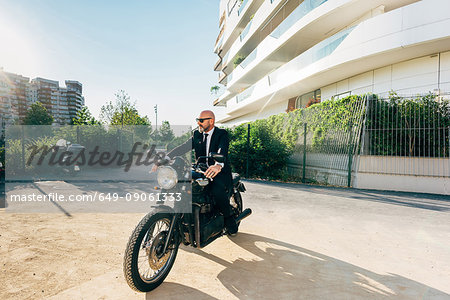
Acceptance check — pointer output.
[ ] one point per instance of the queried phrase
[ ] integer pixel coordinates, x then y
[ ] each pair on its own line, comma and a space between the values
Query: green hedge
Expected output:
416, 126
274, 139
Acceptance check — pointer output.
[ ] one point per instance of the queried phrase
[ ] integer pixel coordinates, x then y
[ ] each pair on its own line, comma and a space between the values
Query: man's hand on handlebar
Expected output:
213, 171
160, 159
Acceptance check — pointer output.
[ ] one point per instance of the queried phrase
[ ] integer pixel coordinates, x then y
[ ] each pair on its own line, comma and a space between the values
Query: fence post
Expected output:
78, 135
350, 155
248, 148
23, 148
304, 153
118, 139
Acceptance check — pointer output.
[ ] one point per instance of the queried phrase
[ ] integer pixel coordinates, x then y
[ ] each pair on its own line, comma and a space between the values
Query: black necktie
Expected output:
205, 142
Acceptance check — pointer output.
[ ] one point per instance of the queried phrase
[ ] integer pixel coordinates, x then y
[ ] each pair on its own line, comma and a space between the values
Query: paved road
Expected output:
306, 242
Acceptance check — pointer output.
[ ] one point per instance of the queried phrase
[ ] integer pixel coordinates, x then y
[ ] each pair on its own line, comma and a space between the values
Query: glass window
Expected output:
308, 99
341, 95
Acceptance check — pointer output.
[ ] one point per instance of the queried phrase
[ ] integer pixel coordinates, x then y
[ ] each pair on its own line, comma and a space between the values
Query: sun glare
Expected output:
16, 51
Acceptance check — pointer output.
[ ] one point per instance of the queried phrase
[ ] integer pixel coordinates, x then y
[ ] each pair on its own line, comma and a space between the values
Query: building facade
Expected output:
278, 55
17, 93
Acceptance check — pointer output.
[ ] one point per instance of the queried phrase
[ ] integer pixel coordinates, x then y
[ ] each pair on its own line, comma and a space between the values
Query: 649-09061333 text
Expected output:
94, 197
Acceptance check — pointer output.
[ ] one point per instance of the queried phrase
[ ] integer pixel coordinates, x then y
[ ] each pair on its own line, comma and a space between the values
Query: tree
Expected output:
139, 125
129, 116
214, 89
120, 106
107, 112
164, 134
84, 117
37, 114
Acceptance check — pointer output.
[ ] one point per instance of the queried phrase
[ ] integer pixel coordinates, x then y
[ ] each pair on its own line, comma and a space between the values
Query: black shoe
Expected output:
231, 226
231, 234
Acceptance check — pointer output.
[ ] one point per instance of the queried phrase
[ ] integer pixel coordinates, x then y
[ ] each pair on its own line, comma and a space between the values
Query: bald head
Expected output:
207, 114
208, 119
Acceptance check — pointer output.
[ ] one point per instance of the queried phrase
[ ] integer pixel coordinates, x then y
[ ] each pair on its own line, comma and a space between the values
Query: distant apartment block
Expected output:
277, 55
17, 93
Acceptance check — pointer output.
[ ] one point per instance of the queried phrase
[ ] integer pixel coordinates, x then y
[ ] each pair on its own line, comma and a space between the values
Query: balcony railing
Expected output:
222, 77
220, 34
245, 31
303, 9
219, 43
319, 51
217, 64
242, 6
251, 57
222, 18
225, 58
245, 94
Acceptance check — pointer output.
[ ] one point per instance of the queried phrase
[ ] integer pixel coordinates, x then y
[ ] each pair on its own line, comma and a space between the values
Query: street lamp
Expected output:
156, 113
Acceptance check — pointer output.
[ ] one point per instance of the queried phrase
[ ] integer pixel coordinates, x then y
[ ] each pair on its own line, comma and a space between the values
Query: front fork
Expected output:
170, 234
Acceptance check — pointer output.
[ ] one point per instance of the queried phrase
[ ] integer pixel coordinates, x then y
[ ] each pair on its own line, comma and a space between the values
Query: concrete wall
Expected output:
409, 174
417, 184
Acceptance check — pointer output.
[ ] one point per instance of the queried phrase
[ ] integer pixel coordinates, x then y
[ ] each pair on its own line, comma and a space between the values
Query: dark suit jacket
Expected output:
219, 144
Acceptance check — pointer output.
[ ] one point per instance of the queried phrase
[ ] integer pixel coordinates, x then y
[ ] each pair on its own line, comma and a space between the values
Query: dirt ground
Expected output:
44, 254
301, 242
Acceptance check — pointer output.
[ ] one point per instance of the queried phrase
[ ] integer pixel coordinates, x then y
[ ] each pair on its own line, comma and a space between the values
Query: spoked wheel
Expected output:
145, 265
236, 204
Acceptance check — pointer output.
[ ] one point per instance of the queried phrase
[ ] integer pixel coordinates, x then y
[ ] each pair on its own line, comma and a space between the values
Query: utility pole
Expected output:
156, 113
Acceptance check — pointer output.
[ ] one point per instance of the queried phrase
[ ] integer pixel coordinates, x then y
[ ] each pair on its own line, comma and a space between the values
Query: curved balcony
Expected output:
237, 21
261, 16
302, 10
383, 40
309, 57
310, 22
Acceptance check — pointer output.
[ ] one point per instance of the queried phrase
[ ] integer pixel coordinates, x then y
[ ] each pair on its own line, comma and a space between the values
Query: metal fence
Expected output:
392, 136
328, 145
407, 136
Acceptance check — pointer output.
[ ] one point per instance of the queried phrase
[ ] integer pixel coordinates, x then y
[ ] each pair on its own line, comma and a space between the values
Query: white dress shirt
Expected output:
208, 142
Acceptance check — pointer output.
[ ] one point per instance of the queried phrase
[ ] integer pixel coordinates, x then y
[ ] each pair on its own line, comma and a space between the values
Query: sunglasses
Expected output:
202, 119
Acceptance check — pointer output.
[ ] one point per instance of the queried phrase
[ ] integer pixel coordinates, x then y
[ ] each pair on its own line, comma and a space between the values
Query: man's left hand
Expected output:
213, 171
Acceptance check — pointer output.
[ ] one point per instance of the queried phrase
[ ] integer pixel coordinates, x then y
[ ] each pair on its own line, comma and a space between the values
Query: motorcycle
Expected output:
153, 244
64, 148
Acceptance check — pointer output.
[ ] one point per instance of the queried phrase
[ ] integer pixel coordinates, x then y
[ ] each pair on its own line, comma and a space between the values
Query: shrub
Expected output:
267, 156
237, 60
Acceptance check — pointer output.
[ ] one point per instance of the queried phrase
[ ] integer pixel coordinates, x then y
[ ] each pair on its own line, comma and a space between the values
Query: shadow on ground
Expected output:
417, 200
170, 290
286, 271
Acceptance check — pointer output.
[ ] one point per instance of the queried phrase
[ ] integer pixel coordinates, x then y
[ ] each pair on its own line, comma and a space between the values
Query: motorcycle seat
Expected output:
236, 179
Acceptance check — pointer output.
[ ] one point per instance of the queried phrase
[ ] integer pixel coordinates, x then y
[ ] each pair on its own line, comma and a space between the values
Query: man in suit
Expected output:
207, 139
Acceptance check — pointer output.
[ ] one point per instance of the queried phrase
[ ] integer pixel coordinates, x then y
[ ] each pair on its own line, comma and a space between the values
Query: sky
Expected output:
159, 52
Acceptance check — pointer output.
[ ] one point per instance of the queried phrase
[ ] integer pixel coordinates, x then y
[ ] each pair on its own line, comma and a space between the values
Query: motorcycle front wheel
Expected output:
145, 266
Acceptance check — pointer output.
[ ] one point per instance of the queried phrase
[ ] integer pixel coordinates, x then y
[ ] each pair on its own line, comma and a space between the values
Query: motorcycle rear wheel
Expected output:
144, 267
236, 205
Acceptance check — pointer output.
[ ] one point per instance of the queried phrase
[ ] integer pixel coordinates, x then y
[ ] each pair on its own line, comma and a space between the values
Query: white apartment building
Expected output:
276, 55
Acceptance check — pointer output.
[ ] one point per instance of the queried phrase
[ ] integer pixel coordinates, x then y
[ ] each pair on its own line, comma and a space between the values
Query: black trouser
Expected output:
221, 190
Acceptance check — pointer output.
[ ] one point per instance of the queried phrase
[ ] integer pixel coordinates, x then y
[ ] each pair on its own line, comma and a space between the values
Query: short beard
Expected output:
200, 129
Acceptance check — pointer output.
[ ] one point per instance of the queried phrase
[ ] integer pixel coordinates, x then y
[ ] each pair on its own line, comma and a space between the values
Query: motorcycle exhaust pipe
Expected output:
247, 212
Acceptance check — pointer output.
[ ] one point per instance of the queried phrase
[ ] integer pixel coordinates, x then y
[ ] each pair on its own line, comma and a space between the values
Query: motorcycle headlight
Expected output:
167, 177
